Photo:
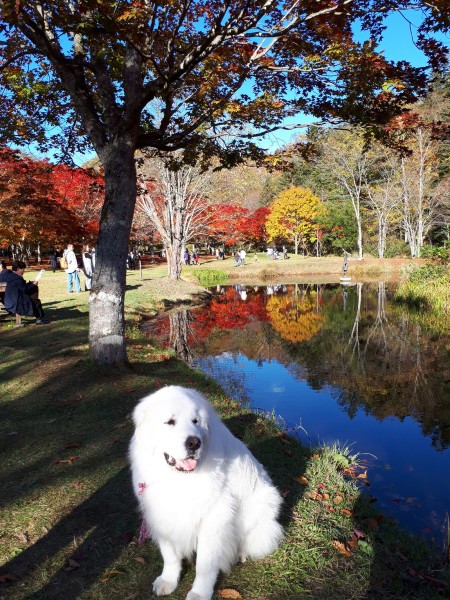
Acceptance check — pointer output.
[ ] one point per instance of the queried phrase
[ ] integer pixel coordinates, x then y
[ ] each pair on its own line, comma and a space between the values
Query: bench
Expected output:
2, 297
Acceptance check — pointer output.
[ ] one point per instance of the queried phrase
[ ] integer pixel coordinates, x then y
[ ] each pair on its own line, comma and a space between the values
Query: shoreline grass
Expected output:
69, 521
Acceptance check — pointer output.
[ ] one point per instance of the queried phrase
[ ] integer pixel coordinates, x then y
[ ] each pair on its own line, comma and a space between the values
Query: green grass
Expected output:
426, 291
208, 277
68, 521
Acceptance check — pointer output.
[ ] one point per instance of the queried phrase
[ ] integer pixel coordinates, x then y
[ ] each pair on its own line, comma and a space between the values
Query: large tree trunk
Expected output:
106, 313
173, 254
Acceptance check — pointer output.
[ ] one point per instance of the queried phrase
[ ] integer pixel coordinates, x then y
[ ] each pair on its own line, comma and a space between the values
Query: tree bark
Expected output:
106, 301
173, 255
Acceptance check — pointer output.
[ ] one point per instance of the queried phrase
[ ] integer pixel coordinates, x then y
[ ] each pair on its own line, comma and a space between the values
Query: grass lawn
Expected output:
68, 520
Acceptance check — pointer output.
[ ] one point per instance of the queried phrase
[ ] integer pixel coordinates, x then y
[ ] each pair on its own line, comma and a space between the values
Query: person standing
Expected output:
243, 254
88, 269
54, 259
72, 269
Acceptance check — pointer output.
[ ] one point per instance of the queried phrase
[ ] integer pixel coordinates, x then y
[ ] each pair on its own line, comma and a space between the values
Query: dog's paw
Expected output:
161, 587
193, 596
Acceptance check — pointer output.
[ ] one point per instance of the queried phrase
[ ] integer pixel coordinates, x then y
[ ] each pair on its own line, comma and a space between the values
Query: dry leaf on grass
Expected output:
73, 564
302, 479
110, 574
230, 594
342, 548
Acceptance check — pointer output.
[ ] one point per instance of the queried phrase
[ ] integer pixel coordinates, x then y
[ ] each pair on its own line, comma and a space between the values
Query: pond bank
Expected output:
299, 269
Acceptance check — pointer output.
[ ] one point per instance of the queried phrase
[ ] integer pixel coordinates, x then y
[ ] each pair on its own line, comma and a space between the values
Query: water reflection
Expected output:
347, 364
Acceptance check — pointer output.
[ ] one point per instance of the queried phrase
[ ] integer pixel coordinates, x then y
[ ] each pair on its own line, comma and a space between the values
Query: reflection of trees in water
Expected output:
354, 339
384, 366
367, 350
298, 319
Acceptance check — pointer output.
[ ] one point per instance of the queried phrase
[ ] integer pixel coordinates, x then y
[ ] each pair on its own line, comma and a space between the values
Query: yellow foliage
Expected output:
294, 214
294, 321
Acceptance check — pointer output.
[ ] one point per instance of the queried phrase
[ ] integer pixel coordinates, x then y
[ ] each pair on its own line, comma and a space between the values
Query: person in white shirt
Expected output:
243, 255
72, 269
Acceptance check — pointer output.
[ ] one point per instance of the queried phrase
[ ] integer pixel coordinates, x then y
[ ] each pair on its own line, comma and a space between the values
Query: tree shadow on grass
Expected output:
107, 521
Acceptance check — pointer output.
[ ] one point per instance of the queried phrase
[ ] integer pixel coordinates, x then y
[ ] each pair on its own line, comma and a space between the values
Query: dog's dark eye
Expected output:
195, 421
171, 422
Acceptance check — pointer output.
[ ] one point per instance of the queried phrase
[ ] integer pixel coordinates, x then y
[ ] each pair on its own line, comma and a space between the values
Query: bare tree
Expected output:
421, 204
383, 195
346, 161
176, 204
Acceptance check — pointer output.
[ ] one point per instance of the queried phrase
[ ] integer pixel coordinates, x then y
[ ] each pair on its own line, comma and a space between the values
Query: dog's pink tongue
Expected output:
188, 464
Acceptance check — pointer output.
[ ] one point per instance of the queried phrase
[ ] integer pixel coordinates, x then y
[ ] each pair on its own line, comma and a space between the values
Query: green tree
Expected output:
294, 217
120, 75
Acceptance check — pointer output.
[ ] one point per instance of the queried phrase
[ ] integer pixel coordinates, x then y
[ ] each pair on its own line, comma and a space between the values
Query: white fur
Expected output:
222, 511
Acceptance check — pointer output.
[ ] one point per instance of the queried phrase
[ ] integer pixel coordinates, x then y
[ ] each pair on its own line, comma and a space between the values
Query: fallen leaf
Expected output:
363, 475
72, 445
120, 425
360, 535
140, 559
67, 461
7, 577
73, 564
24, 537
285, 440
302, 479
346, 512
230, 594
373, 524
342, 548
77, 485
337, 499
110, 574
13, 433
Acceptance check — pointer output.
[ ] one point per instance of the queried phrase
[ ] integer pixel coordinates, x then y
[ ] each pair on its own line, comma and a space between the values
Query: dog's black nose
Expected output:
193, 443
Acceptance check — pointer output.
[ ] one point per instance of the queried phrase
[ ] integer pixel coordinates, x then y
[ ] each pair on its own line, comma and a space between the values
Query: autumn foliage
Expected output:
294, 217
43, 205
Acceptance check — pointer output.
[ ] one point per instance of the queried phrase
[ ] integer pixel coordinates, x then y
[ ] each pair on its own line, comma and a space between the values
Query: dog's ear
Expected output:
141, 411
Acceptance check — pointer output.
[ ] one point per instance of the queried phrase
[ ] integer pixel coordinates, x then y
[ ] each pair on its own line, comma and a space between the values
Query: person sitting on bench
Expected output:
22, 297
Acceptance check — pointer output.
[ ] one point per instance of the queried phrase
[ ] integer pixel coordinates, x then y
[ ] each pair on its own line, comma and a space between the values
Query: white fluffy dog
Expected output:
200, 490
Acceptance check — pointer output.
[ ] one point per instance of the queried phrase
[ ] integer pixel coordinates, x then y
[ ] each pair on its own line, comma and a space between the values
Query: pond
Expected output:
336, 363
